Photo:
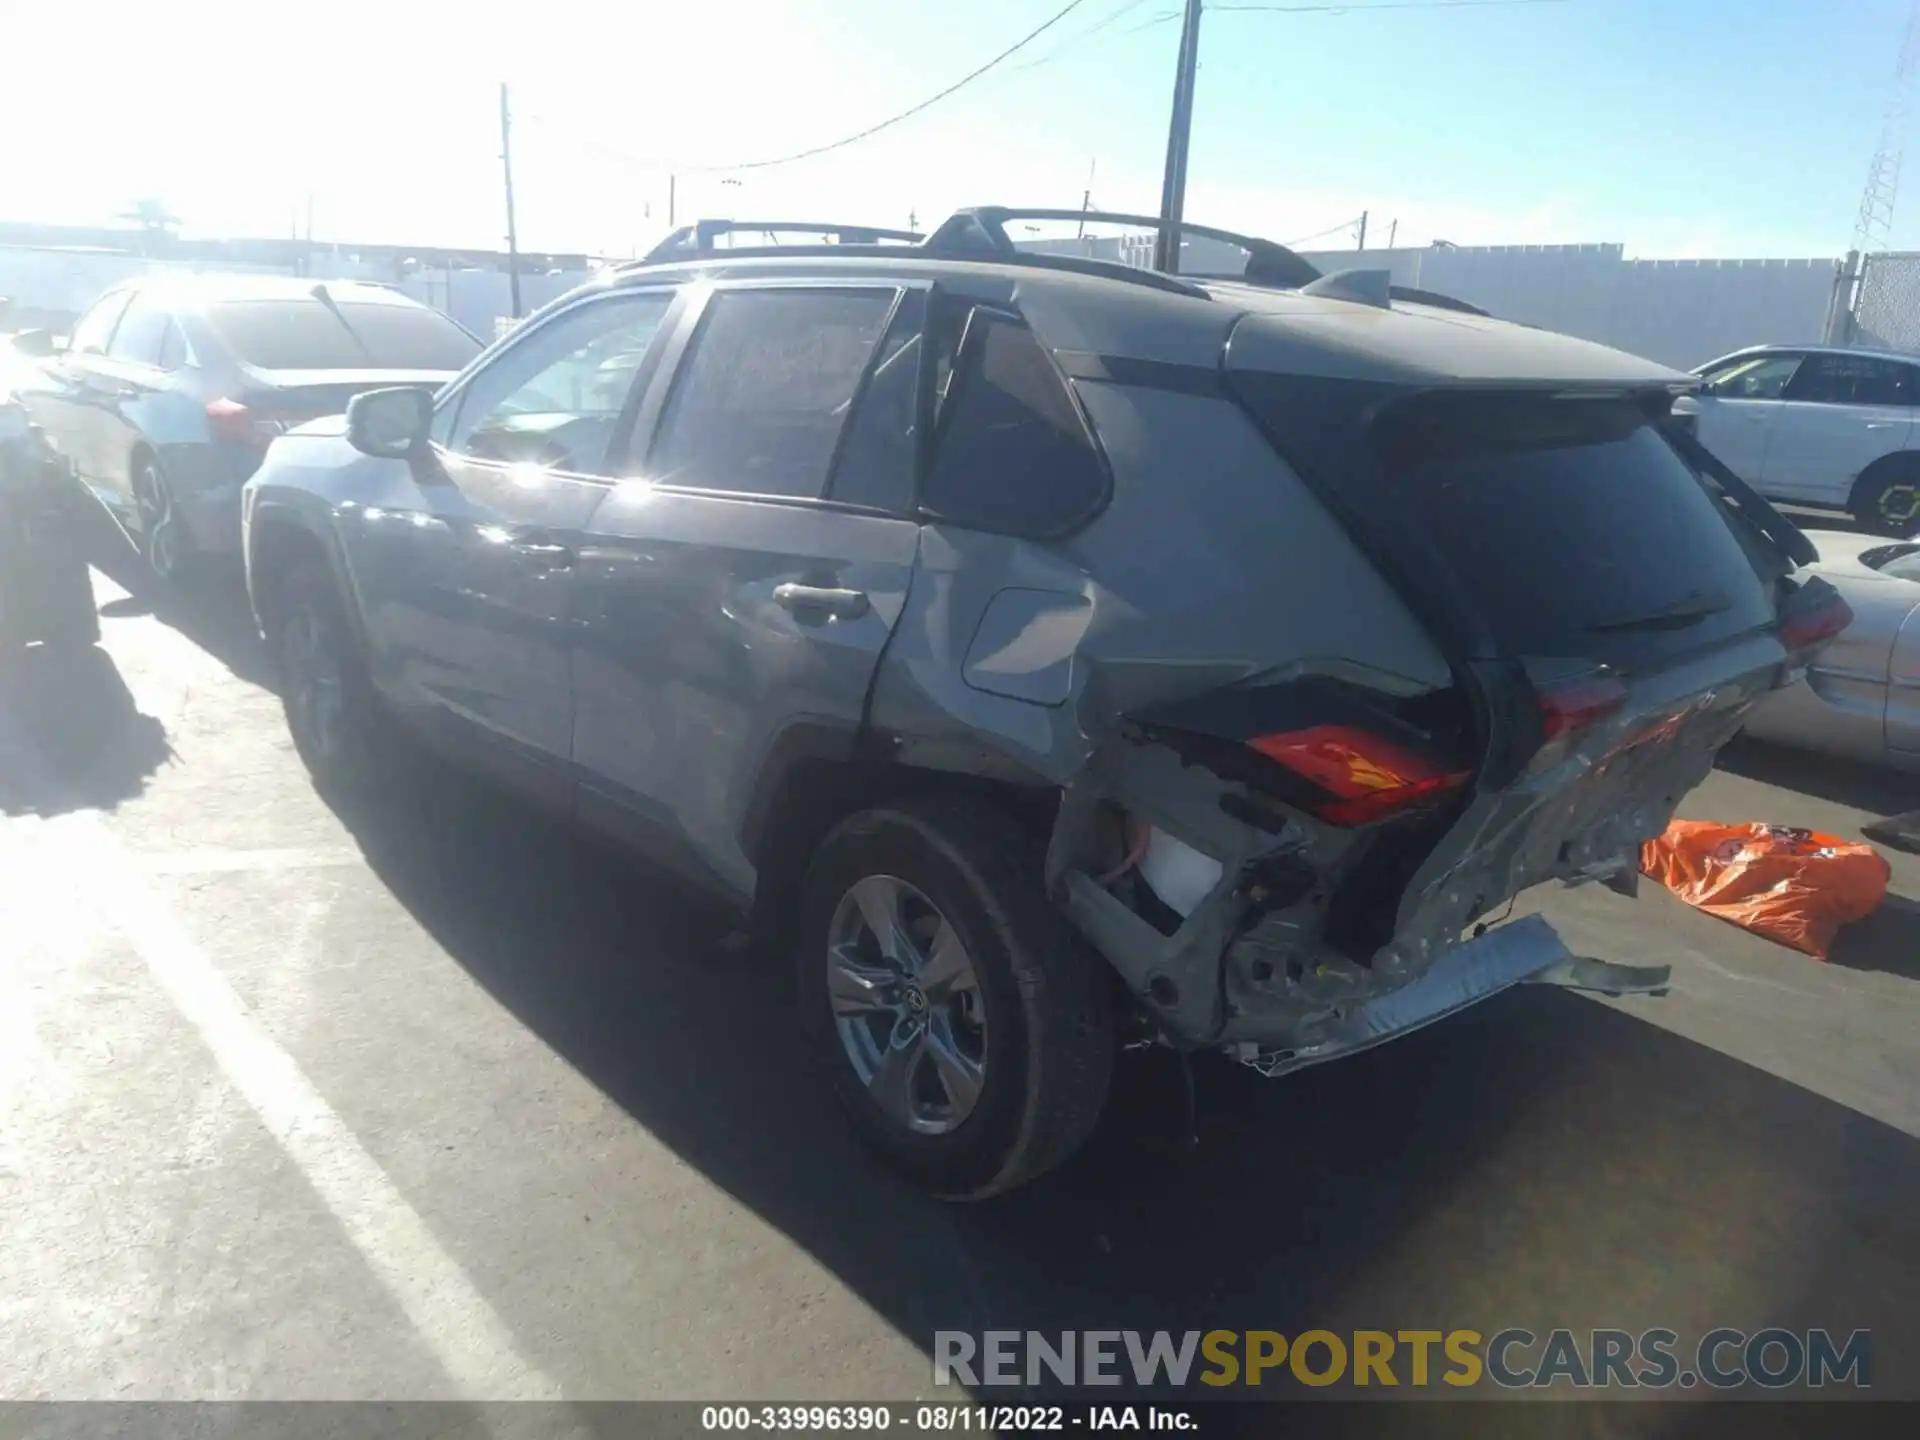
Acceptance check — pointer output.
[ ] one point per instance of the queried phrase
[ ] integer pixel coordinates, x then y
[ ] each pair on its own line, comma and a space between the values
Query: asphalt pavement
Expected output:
439, 1100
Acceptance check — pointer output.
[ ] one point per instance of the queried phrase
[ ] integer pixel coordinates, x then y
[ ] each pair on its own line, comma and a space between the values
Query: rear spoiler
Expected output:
1749, 501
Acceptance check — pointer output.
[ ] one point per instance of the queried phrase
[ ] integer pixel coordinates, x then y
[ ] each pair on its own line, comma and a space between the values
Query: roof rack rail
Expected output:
982, 230
698, 238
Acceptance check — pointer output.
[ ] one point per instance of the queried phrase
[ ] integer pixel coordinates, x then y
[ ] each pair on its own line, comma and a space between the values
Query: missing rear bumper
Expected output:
1460, 977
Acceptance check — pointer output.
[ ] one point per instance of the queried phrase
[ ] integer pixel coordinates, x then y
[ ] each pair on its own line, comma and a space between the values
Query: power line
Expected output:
1319, 234
911, 111
1073, 42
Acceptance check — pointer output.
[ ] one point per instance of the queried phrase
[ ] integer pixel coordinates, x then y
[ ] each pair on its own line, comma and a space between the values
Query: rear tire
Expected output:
164, 543
333, 712
1004, 1074
1886, 500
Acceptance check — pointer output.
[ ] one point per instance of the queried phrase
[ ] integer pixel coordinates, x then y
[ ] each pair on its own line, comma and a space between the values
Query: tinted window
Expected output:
877, 461
141, 330
1011, 453
173, 348
349, 335
1577, 528
91, 333
759, 404
1852, 380
1760, 377
555, 397
1902, 562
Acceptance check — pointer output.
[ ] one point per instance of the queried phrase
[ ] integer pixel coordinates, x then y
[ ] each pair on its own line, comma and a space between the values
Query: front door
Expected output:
480, 622
1738, 407
732, 606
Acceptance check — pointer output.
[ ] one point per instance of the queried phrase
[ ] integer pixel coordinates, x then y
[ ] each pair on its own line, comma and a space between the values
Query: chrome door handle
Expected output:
841, 604
1887, 424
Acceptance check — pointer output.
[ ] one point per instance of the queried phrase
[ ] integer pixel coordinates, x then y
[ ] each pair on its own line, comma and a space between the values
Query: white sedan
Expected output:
1861, 696
1828, 428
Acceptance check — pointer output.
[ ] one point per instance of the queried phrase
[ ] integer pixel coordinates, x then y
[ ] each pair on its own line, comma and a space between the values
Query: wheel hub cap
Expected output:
906, 1004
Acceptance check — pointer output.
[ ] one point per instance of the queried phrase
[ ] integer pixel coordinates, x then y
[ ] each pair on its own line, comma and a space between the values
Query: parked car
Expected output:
1827, 428
1049, 653
170, 389
1860, 697
46, 592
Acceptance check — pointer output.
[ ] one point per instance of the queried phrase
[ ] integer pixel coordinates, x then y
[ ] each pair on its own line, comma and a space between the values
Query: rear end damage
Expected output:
1294, 871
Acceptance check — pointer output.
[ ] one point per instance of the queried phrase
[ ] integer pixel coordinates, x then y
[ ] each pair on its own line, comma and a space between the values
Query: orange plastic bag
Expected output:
1795, 886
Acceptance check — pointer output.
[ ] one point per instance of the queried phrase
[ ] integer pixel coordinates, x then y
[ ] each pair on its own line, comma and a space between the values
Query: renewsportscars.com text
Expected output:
1512, 1358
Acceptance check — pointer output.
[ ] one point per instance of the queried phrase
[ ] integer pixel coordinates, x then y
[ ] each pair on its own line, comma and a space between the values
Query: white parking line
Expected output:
77, 854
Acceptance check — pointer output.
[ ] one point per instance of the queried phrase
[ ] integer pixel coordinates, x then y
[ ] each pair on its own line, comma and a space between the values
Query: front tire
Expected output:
965, 1030
1887, 499
332, 710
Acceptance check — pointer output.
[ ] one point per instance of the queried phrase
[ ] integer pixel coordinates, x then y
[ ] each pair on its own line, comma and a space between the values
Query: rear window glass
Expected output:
1577, 527
351, 335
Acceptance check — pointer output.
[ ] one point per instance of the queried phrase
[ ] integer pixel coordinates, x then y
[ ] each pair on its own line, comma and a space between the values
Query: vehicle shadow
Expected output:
1874, 789
1539, 1160
71, 736
208, 607
1888, 939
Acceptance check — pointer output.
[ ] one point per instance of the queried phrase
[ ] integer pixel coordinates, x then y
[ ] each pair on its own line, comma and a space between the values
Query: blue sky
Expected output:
1677, 127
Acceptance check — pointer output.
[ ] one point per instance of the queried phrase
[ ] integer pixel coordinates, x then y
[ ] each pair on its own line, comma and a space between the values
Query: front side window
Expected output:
1011, 453
1759, 377
759, 404
555, 398
1852, 380
95, 327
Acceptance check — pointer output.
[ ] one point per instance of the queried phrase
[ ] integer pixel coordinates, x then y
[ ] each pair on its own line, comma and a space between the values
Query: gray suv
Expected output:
1049, 655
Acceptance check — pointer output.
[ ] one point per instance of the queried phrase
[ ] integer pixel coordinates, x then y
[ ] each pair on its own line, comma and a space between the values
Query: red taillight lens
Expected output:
1824, 621
1575, 704
1368, 777
233, 421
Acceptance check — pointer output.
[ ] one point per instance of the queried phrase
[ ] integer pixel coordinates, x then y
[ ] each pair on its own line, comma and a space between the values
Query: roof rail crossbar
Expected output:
699, 238
982, 229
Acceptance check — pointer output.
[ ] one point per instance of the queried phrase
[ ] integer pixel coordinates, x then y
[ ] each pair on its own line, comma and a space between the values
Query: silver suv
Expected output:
1051, 655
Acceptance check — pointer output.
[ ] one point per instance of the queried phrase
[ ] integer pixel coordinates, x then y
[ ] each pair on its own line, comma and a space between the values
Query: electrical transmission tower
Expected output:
1874, 228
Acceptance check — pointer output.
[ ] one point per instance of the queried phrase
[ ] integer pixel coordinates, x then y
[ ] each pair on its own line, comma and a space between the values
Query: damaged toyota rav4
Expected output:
1049, 655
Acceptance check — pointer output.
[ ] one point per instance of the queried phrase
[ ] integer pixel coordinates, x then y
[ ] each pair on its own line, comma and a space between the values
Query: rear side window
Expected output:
1576, 527
141, 333
347, 335
1011, 453
91, 333
758, 406
1853, 380
877, 458
1759, 377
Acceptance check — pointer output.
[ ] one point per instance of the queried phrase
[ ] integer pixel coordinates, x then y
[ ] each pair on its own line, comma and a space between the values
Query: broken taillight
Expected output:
1365, 777
1821, 620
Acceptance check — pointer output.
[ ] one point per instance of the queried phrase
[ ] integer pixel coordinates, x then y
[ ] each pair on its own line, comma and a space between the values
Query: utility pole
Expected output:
671, 182
1393, 233
1173, 192
1086, 201
1363, 231
506, 171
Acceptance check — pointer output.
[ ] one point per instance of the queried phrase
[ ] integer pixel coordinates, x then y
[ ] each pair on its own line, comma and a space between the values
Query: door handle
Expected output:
1887, 424
841, 604
544, 554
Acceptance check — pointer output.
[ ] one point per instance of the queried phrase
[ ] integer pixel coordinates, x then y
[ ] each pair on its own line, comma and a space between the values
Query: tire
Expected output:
1886, 501
1036, 1023
333, 712
164, 542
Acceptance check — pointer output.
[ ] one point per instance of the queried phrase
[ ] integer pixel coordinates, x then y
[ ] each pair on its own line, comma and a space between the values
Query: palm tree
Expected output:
156, 222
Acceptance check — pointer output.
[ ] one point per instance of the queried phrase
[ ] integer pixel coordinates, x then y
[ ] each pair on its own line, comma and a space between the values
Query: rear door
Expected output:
468, 589
732, 603
1837, 416
67, 403
1738, 408
141, 402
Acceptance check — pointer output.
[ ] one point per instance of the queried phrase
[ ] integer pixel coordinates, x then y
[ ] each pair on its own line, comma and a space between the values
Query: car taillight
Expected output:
1573, 705
1822, 620
1365, 777
233, 421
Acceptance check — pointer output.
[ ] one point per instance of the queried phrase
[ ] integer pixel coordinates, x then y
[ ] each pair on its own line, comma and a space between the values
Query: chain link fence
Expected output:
1886, 304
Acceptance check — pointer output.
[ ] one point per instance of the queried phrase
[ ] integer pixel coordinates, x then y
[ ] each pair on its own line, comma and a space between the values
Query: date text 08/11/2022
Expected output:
984, 1419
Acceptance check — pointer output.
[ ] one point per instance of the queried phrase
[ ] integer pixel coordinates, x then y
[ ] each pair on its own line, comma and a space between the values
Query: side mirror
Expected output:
390, 423
37, 343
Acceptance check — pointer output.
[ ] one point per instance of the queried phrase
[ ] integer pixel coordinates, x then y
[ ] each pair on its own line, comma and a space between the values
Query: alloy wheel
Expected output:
907, 1005
313, 672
